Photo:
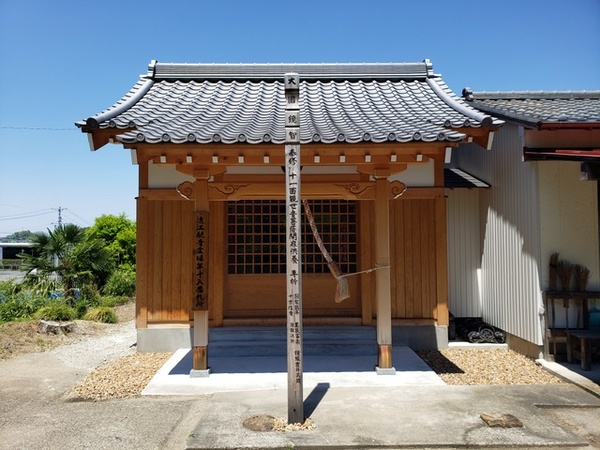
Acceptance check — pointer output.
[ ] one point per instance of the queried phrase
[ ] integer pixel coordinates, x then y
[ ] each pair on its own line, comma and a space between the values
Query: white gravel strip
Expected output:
92, 351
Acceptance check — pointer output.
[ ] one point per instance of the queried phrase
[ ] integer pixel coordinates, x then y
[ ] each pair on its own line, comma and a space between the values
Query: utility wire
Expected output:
28, 215
76, 218
38, 128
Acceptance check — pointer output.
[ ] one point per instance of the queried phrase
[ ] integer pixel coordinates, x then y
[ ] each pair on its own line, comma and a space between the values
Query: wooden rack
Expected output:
571, 332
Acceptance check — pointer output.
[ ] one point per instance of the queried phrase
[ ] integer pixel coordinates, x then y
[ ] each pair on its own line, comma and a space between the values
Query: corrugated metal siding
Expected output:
464, 252
510, 260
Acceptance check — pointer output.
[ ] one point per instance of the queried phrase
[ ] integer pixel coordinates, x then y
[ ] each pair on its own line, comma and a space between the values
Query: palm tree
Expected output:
66, 257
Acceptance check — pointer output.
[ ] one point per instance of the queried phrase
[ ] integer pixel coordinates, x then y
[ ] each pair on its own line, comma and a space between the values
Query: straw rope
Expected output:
342, 292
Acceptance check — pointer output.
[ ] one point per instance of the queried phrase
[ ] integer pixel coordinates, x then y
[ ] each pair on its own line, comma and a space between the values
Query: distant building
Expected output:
11, 250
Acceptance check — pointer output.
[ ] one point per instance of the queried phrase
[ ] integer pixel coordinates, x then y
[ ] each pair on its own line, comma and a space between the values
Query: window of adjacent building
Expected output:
256, 238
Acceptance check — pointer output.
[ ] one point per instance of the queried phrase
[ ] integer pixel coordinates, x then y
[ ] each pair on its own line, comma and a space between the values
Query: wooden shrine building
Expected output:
209, 143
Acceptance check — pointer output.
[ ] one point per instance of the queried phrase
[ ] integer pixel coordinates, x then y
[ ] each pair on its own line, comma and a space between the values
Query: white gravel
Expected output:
92, 350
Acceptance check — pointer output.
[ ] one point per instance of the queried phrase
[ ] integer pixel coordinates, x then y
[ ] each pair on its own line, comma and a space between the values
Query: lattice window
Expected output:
256, 236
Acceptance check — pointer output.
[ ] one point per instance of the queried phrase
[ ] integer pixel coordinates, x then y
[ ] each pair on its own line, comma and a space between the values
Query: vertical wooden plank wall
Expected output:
141, 280
418, 249
367, 280
164, 267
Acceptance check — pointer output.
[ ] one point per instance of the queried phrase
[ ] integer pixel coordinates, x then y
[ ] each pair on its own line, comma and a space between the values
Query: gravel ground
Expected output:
123, 378
486, 366
126, 375
107, 354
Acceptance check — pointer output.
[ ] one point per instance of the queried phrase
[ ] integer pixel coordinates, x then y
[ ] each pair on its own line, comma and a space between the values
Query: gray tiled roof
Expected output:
231, 103
539, 108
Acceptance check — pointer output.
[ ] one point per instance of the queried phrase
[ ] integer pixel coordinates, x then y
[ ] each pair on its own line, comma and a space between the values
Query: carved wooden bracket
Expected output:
397, 188
350, 191
225, 191
358, 190
187, 190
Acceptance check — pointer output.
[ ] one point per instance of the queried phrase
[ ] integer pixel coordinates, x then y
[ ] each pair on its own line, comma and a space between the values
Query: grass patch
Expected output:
102, 314
58, 312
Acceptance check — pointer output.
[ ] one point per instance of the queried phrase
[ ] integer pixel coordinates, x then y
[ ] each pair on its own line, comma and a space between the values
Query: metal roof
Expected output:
457, 178
244, 103
536, 109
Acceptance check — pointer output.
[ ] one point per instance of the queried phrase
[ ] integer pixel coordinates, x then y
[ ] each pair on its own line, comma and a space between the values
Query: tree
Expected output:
19, 236
67, 257
119, 234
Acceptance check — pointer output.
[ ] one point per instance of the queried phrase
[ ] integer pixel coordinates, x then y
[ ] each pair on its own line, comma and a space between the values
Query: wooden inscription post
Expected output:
294, 262
200, 302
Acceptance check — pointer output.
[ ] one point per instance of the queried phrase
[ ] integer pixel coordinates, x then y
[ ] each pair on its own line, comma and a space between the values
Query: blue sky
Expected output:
63, 61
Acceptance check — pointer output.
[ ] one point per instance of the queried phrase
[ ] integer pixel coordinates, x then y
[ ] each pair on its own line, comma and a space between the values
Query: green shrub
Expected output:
20, 306
81, 307
111, 300
121, 282
102, 314
8, 288
90, 294
57, 311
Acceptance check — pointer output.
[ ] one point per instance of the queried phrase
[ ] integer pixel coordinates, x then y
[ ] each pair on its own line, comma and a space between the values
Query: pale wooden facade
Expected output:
373, 138
417, 242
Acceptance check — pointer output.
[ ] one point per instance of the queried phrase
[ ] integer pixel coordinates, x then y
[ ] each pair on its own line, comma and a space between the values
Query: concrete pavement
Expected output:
269, 373
352, 407
403, 417
36, 414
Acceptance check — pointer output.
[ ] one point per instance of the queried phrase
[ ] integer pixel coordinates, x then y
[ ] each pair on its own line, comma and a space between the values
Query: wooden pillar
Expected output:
200, 335
382, 281
441, 313
142, 250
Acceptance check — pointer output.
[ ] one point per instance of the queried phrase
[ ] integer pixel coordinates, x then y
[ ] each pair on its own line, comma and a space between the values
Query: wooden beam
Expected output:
186, 156
218, 266
349, 191
480, 135
102, 136
232, 151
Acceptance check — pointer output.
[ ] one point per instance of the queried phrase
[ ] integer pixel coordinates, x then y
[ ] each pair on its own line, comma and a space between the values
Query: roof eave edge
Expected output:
92, 123
570, 125
485, 120
522, 120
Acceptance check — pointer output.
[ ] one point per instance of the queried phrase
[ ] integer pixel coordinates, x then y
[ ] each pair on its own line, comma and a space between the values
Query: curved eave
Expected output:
428, 111
103, 119
439, 89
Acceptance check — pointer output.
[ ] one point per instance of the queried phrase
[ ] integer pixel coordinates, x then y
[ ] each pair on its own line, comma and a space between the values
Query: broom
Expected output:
553, 271
565, 273
582, 276
341, 292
